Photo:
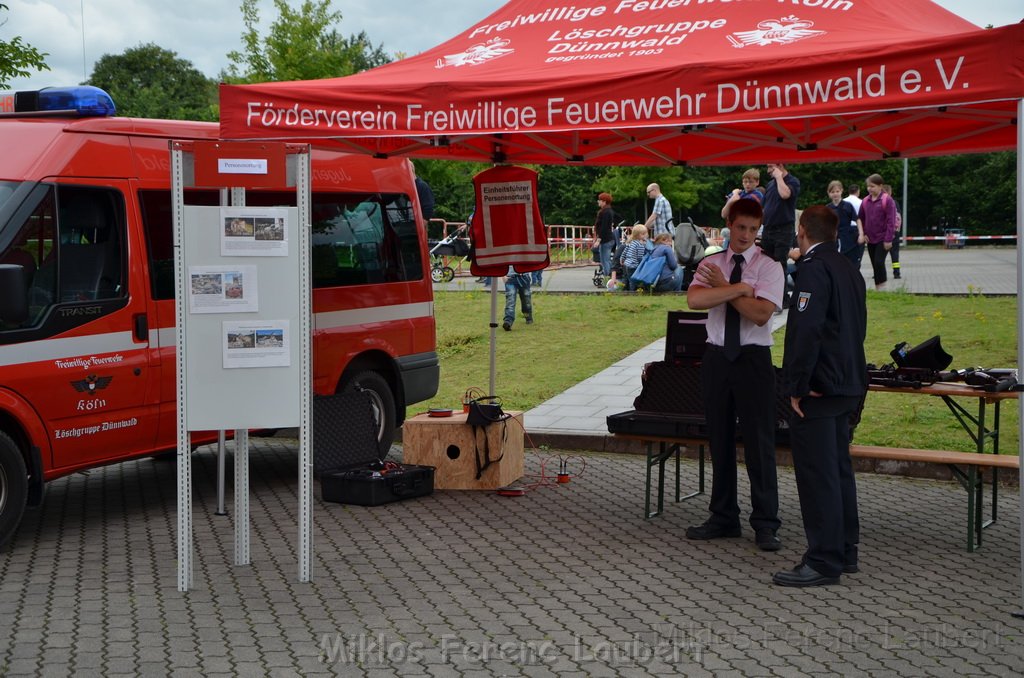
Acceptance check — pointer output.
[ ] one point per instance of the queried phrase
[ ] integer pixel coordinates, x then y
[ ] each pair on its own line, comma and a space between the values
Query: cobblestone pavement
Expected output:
568, 580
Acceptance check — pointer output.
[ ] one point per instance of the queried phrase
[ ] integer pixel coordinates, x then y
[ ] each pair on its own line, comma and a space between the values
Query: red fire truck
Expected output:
87, 316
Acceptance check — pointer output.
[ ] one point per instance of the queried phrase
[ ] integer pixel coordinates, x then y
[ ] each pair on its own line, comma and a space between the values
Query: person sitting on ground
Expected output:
671, 278
633, 252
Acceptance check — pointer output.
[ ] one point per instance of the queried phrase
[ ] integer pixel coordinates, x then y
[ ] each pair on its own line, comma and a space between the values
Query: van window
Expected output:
362, 239
71, 248
358, 238
158, 225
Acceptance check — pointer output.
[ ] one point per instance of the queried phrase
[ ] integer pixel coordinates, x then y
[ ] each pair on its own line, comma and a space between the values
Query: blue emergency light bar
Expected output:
82, 101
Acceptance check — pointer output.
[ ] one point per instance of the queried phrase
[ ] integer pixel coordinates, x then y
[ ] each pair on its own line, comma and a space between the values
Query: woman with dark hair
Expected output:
604, 225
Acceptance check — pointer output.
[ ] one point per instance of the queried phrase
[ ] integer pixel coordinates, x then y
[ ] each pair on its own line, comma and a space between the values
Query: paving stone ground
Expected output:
568, 580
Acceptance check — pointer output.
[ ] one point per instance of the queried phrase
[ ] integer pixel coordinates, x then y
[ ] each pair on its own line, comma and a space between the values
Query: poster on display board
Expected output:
223, 289
254, 232
256, 344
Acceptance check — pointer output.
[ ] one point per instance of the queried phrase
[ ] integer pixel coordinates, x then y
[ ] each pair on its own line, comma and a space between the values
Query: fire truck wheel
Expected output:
382, 400
13, 487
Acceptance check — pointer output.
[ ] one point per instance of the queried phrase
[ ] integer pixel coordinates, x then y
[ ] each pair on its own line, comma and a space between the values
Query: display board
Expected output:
242, 283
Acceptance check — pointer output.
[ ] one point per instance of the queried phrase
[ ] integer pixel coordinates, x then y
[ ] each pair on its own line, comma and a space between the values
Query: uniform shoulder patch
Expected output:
803, 301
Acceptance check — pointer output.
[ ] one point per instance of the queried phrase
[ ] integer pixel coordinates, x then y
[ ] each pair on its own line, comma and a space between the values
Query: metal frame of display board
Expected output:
297, 173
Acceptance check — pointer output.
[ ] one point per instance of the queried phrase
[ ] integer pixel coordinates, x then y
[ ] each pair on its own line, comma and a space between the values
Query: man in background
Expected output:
855, 254
779, 212
661, 213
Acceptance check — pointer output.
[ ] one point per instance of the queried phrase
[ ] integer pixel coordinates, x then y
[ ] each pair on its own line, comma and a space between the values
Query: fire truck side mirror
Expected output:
14, 300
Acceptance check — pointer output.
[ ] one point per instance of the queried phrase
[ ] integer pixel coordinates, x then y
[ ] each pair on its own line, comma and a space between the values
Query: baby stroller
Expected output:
451, 246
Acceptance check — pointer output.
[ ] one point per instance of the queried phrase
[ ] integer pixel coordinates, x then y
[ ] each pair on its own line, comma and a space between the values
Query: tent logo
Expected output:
479, 53
775, 32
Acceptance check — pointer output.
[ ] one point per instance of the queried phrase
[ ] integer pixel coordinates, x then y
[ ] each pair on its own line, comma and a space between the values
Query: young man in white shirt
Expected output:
741, 288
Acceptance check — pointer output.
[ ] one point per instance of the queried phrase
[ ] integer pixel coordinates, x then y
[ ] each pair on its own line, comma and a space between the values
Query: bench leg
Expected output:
974, 483
647, 486
678, 451
666, 450
658, 460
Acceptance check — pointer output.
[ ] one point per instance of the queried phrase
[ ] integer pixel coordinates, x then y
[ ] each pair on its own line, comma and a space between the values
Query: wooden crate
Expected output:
447, 444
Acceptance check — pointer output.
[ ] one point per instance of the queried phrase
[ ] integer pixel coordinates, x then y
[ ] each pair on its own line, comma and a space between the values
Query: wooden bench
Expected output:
965, 467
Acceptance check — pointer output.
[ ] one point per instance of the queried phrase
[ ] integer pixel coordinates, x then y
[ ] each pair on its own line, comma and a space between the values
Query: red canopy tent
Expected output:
660, 82
648, 82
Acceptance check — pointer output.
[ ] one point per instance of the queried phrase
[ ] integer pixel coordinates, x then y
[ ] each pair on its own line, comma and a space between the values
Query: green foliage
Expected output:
301, 45
567, 195
18, 59
628, 186
452, 184
151, 82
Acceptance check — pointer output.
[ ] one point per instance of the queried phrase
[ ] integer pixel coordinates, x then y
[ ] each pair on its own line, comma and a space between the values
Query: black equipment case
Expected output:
347, 459
671, 404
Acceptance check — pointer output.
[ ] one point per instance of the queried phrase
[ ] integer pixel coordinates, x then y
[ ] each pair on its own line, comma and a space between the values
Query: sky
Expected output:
204, 31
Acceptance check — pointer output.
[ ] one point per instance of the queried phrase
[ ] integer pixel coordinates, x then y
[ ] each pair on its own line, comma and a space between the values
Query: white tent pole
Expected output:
494, 332
1020, 333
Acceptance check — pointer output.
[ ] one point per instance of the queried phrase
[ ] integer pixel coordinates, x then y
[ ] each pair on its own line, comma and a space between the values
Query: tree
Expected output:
681, 187
151, 82
17, 59
301, 45
452, 184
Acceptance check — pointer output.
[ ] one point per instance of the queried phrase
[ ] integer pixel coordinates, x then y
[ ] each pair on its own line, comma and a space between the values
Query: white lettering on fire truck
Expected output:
81, 431
89, 361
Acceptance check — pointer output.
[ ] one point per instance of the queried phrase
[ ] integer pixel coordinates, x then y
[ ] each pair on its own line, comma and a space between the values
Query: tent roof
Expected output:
638, 82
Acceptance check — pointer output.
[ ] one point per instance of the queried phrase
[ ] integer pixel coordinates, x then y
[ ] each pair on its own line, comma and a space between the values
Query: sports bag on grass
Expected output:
649, 270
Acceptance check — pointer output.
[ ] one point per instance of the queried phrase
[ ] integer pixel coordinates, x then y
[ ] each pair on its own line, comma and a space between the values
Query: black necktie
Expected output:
732, 316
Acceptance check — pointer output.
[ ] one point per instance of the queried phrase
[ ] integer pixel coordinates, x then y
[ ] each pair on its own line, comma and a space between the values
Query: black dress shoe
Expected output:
802, 575
850, 568
767, 540
710, 530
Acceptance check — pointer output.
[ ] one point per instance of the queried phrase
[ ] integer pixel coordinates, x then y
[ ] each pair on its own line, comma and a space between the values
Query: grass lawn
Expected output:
578, 335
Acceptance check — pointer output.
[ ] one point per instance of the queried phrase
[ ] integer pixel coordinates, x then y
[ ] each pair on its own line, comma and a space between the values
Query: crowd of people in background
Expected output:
871, 225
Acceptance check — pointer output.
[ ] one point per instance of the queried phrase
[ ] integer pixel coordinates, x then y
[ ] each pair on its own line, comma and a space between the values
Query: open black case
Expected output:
348, 461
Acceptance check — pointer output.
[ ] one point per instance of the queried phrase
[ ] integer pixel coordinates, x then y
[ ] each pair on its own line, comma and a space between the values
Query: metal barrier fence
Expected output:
569, 244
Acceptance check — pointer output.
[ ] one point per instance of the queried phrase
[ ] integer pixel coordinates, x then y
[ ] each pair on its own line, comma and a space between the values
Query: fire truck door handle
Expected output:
141, 327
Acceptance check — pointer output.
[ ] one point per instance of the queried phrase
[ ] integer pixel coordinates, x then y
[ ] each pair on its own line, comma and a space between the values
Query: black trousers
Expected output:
825, 482
744, 388
877, 253
777, 241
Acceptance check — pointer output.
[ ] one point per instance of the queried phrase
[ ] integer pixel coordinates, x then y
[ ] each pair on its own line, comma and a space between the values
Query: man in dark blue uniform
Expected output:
779, 212
826, 378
